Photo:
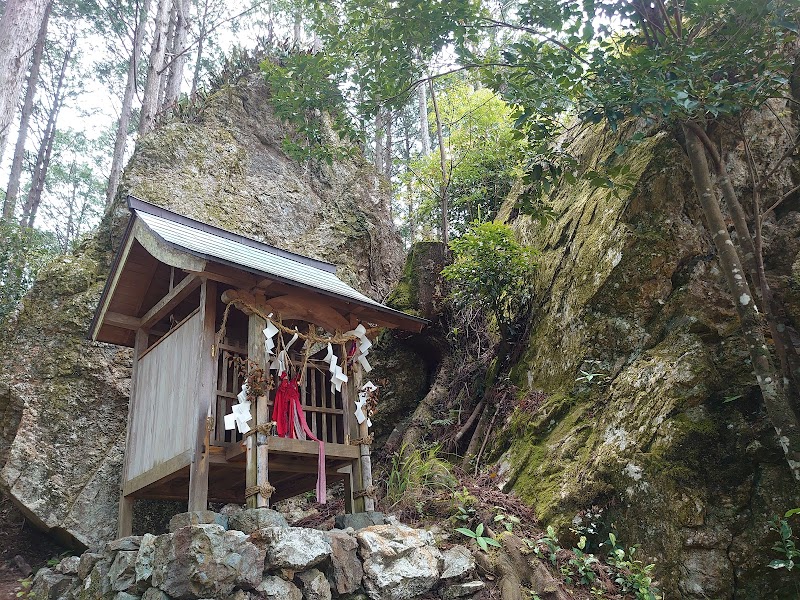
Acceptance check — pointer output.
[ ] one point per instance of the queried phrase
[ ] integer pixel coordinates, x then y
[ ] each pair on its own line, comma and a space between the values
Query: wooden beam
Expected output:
158, 474
123, 257
189, 284
288, 446
257, 451
206, 395
122, 321
125, 516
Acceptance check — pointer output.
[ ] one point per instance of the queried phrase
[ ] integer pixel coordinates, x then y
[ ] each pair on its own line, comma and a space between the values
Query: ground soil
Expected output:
19, 538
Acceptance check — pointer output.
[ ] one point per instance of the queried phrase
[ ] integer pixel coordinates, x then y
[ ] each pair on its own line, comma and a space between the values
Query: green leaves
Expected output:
482, 541
490, 270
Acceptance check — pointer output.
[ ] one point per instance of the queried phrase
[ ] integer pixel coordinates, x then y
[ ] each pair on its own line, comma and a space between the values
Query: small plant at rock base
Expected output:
507, 521
25, 587
482, 541
550, 542
631, 575
583, 563
786, 546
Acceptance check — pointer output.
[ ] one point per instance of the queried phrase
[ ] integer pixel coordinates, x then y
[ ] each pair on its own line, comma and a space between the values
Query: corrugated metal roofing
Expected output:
210, 242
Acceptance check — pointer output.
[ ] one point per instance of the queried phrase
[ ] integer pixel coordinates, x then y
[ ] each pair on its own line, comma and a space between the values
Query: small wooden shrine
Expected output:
228, 331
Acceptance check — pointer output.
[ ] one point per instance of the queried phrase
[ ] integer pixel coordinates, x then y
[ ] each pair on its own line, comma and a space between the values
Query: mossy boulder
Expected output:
652, 424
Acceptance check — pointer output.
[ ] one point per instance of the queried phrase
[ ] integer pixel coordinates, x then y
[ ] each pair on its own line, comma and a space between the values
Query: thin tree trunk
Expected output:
769, 381
46, 149
298, 27
443, 165
155, 69
127, 106
19, 27
378, 155
169, 51
387, 148
424, 129
201, 38
179, 49
12, 191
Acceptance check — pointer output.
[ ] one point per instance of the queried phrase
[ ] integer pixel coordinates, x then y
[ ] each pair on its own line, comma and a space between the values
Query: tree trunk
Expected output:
127, 106
201, 38
19, 27
424, 130
155, 69
769, 381
169, 48
46, 149
378, 154
298, 27
387, 147
179, 50
12, 191
443, 165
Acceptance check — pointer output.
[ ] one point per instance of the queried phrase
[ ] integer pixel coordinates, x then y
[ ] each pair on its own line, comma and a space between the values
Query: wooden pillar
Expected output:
125, 519
206, 392
363, 431
257, 450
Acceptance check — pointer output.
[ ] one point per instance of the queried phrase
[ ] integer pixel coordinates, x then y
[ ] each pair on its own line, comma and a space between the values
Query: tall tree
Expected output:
12, 190
19, 26
123, 124
178, 52
44, 154
155, 68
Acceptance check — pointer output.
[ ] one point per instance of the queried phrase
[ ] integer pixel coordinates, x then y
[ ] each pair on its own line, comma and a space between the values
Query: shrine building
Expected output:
229, 331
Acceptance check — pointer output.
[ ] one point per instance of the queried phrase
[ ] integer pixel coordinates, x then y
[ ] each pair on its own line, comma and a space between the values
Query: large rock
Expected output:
635, 388
205, 561
315, 585
399, 562
346, 571
49, 585
294, 548
63, 400
251, 519
275, 588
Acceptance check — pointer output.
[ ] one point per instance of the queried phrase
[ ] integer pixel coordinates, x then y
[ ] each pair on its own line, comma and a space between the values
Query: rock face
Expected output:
651, 419
206, 561
63, 401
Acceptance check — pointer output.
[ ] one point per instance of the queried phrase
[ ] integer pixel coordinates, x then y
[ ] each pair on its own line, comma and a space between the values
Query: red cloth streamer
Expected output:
287, 407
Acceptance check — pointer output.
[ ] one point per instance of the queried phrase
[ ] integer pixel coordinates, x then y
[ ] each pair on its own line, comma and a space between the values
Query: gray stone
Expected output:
97, 584
294, 548
155, 594
275, 588
251, 519
86, 563
197, 517
144, 559
345, 571
126, 596
460, 590
205, 561
315, 585
49, 585
68, 565
399, 562
359, 520
123, 570
127, 543
458, 561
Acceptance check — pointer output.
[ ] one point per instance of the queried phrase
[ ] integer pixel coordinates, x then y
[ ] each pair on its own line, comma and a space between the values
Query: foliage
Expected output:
507, 521
490, 270
416, 475
631, 575
24, 252
482, 152
305, 91
786, 546
483, 542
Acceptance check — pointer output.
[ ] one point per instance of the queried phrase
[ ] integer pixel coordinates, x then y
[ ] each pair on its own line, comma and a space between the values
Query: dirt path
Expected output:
19, 538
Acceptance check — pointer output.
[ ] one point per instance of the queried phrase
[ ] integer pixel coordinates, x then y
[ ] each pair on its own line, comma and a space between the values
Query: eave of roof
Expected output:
306, 266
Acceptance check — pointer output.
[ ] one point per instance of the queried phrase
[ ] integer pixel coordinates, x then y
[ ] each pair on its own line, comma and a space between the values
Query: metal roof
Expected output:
212, 243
